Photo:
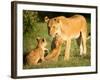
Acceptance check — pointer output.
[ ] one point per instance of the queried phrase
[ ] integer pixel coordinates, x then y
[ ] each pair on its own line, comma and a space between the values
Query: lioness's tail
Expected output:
89, 36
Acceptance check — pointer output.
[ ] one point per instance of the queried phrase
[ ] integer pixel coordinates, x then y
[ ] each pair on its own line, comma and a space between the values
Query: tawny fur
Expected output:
68, 29
38, 53
56, 50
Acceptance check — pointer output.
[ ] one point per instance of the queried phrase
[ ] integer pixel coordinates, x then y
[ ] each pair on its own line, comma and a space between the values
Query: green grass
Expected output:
40, 29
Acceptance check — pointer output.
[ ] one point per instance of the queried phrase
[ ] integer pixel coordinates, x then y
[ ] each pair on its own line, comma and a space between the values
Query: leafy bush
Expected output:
29, 19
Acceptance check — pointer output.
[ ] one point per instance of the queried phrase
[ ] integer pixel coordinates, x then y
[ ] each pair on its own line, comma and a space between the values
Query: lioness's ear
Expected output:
46, 19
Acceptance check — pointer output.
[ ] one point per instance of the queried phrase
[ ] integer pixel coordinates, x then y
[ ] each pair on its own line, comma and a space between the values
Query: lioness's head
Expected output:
53, 26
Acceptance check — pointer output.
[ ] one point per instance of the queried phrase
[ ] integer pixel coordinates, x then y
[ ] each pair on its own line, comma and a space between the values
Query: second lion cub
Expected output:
38, 53
56, 50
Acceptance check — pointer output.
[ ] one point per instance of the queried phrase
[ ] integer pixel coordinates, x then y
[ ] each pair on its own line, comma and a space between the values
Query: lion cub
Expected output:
56, 50
38, 53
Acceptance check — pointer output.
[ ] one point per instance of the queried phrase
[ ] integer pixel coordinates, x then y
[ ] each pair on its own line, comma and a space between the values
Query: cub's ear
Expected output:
43, 40
38, 38
46, 19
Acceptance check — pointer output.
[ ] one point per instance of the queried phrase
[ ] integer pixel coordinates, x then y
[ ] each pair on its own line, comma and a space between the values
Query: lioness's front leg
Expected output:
67, 49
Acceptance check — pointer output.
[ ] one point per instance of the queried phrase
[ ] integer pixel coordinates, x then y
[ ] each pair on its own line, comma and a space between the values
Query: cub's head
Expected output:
58, 41
53, 26
41, 42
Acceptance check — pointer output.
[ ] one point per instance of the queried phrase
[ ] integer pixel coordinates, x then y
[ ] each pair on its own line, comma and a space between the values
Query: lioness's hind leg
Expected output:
80, 44
84, 43
81, 48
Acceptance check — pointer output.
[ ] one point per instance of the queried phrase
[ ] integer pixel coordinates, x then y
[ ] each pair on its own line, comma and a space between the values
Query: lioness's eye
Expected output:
53, 26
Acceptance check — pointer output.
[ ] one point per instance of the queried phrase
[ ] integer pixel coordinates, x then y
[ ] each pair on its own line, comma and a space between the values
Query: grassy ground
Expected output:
40, 29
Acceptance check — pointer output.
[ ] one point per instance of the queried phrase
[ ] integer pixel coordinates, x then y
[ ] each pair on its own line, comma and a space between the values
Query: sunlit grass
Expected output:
40, 29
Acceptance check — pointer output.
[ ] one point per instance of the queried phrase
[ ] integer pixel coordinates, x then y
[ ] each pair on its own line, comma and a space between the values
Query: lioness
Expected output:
53, 55
68, 29
38, 53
